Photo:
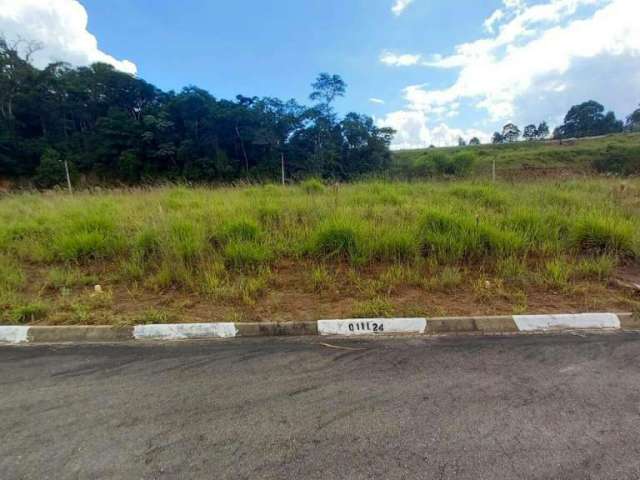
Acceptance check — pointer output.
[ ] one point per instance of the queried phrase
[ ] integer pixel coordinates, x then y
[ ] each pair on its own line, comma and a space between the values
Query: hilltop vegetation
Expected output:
313, 251
613, 154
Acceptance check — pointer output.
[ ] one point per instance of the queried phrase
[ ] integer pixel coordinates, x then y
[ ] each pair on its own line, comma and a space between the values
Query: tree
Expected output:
113, 126
542, 131
462, 142
633, 121
327, 87
497, 138
587, 120
510, 133
474, 141
530, 132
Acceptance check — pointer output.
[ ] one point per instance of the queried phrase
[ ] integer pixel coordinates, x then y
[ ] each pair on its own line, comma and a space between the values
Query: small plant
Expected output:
596, 268
154, 316
377, 307
320, 279
557, 273
69, 277
11, 275
446, 280
30, 312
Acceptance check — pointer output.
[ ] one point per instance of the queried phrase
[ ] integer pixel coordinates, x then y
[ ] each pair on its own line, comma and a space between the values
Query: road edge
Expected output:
479, 325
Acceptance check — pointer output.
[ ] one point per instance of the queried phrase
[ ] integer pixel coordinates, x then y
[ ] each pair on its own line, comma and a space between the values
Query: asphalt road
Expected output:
560, 407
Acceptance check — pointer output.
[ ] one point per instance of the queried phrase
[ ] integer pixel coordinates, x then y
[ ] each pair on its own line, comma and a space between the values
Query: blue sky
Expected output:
437, 69
276, 48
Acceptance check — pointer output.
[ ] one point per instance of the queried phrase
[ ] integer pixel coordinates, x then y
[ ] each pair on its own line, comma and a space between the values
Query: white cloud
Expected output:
542, 59
60, 26
402, 60
400, 5
495, 17
496, 79
414, 131
379, 101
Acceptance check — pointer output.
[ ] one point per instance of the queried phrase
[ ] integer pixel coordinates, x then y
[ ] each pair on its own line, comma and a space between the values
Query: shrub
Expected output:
50, 172
619, 160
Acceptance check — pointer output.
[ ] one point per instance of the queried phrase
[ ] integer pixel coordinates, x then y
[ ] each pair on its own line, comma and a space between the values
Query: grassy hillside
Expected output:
310, 251
534, 159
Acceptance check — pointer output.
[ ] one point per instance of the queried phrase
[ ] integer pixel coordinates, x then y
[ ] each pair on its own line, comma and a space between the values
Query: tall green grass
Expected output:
170, 237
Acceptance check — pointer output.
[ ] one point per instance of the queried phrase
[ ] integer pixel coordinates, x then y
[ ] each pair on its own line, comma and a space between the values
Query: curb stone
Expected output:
510, 324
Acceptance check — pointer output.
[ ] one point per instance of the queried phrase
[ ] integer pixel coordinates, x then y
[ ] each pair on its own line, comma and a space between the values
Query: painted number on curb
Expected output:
366, 327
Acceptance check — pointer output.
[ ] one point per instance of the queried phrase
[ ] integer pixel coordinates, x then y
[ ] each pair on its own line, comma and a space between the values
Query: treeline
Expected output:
585, 120
112, 126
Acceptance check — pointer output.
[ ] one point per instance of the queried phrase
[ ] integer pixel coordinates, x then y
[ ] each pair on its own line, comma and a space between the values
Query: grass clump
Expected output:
336, 239
28, 313
377, 307
320, 279
241, 254
243, 230
596, 268
393, 246
11, 276
603, 234
312, 186
455, 237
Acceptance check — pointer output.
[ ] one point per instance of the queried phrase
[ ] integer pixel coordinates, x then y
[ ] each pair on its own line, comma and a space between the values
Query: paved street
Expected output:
559, 407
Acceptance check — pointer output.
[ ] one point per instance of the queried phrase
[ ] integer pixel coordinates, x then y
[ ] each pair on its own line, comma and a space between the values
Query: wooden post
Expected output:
282, 166
494, 171
66, 171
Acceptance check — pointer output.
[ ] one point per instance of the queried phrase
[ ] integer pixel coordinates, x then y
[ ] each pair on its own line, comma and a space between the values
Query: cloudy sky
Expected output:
432, 69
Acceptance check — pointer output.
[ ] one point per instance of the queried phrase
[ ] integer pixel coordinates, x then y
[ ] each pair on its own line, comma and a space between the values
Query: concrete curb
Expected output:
510, 324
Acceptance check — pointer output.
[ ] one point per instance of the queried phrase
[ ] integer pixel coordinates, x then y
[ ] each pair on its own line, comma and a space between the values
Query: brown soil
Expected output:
290, 296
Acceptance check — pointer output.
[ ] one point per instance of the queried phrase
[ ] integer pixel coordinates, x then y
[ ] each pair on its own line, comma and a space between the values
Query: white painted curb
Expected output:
537, 323
369, 326
14, 334
189, 330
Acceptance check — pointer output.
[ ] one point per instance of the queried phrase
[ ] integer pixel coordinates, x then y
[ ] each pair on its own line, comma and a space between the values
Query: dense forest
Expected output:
111, 126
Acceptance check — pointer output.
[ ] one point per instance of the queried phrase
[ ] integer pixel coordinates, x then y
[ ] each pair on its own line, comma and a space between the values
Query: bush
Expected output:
50, 172
618, 160
437, 163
